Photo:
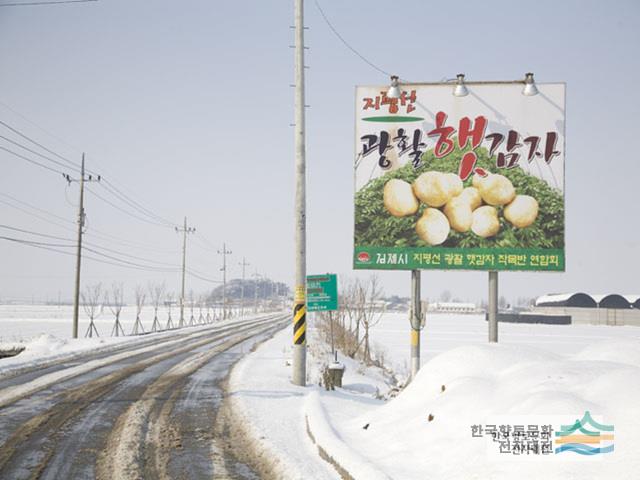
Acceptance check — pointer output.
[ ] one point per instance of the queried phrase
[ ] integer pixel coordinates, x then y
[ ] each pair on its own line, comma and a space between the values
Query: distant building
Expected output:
585, 309
452, 307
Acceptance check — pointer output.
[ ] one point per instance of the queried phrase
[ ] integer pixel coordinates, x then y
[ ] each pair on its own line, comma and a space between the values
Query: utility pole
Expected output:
81, 217
244, 264
224, 254
299, 373
493, 307
255, 292
185, 229
416, 315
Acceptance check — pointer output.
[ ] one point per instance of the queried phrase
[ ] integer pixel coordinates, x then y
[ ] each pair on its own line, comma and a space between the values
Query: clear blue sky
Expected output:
186, 106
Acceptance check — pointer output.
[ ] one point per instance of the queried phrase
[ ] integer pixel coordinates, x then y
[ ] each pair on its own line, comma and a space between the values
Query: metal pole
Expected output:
184, 262
76, 297
299, 310
416, 322
333, 349
493, 307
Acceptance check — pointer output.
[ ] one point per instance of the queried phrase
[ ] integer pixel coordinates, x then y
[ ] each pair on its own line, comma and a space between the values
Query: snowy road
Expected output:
144, 410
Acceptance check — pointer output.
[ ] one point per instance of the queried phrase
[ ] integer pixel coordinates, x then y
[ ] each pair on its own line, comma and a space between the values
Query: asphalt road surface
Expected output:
143, 411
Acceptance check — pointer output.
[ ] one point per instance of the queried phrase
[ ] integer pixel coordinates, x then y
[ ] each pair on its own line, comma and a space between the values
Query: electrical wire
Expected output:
31, 161
26, 137
142, 219
34, 152
15, 229
132, 203
346, 44
55, 2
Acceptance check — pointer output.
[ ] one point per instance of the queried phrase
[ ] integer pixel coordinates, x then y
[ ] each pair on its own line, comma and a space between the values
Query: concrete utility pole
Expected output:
81, 216
224, 252
255, 292
185, 229
243, 264
416, 322
299, 373
493, 307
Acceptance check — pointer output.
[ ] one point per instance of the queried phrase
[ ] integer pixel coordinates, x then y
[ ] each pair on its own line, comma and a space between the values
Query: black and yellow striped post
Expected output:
299, 336
300, 324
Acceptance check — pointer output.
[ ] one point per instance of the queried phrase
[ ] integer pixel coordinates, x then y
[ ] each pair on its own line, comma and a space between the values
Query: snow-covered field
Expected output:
537, 375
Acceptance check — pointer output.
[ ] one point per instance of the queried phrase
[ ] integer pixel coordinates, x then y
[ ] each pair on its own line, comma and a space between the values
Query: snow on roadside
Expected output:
537, 372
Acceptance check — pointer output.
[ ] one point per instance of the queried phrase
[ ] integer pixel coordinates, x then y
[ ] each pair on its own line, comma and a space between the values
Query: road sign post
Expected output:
322, 296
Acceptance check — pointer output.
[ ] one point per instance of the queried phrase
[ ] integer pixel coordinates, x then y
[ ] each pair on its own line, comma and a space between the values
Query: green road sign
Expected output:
322, 292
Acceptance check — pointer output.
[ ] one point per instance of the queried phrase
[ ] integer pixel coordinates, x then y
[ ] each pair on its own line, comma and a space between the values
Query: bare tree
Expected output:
169, 303
90, 300
140, 298
156, 292
372, 311
116, 302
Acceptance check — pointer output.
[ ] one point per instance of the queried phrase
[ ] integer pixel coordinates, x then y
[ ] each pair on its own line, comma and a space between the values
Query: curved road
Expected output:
141, 411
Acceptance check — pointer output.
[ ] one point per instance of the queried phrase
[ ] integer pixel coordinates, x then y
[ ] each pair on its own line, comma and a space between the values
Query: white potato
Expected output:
497, 190
522, 212
455, 184
433, 226
458, 211
485, 221
432, 188
472, 196
398, 198
477, 180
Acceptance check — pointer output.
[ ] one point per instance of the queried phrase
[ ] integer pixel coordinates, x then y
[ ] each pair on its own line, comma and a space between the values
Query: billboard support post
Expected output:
416, 321
493, 307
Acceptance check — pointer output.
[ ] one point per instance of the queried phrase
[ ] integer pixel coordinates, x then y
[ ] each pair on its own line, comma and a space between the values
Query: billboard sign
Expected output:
460, 183
322, 292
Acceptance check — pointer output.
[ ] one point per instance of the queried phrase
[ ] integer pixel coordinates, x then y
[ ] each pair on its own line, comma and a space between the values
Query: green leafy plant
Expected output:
374, 226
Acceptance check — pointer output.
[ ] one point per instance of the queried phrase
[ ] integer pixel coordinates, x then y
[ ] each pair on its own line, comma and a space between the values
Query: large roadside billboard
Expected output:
473, 182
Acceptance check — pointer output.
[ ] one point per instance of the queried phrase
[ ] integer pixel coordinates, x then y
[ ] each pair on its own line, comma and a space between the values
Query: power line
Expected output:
26, 137
15, 229
93, 232
34, 152
346, 44
101, 247
61, 140
111, 188
142, 219
30, 4
30, 160
54, 248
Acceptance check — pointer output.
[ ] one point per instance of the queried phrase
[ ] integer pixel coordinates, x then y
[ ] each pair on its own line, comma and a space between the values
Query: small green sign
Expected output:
322, 292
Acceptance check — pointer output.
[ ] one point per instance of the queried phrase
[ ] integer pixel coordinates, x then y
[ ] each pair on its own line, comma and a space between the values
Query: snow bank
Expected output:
427, 428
